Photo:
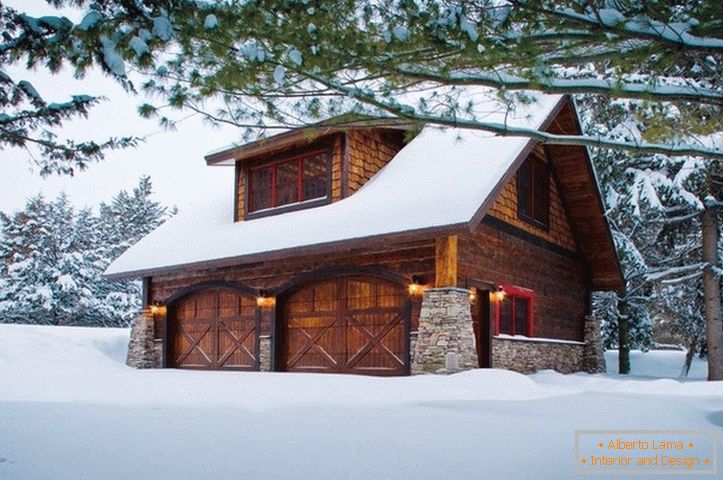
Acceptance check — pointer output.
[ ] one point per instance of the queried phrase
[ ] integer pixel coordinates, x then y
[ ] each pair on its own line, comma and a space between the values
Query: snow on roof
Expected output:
441, 178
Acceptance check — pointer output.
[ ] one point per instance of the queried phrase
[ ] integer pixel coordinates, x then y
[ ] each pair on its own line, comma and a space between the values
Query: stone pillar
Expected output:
445, 342
265, 353
593, 358
143, 351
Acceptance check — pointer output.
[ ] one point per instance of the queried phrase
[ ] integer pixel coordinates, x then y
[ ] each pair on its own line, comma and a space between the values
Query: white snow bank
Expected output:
456, 169
86, 364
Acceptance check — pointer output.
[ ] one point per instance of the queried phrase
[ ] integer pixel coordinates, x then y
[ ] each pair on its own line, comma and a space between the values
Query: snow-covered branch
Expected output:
696, 268
410, 113
571, 86
640, 26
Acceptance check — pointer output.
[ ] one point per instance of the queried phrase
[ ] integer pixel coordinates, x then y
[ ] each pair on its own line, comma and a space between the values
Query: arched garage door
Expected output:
214, 328
346, 325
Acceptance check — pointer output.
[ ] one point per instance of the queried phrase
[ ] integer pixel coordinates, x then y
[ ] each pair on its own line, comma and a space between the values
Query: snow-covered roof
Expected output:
440, 179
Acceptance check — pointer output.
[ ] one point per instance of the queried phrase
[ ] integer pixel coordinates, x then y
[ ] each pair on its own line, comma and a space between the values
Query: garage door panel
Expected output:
228, 305
352, 333
214, 329
379, 359
390, 296
360, 295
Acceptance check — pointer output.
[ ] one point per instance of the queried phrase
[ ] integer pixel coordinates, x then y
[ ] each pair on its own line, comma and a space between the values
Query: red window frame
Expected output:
274, 166
512, 292
538, 215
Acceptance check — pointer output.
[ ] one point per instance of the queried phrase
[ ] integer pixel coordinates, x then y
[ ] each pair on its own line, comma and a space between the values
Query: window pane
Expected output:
287, 183
521, 311
260, 189
506, 315
314, 177
524, 189
542, 192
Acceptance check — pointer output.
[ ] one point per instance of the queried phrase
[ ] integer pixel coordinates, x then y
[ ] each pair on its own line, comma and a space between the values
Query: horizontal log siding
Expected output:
369, 151
505, 209
415, 258
559, 282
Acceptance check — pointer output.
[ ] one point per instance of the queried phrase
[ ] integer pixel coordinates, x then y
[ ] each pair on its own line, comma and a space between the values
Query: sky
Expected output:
174, 160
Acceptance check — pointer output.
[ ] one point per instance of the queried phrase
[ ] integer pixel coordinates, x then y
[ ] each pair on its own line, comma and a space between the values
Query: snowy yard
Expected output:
70, 409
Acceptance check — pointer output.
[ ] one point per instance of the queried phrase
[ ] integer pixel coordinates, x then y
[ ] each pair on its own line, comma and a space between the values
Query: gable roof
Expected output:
443, 181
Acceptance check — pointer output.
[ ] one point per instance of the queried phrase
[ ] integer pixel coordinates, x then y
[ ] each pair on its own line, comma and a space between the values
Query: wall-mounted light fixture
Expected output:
416, 288
472, 295
157, 309
499, 294
264, 300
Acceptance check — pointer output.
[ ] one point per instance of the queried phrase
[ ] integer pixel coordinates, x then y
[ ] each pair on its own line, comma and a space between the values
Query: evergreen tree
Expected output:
293, 61
655, 205
52, 259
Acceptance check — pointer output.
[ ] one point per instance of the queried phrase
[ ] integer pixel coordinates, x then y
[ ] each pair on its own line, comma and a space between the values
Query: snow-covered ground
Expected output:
70, 409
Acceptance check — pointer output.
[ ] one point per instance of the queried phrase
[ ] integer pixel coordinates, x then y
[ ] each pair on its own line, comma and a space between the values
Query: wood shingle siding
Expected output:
369, 151
585, 208
559, 231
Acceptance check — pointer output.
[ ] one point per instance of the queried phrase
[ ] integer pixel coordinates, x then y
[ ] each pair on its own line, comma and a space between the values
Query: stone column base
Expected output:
143, 350
593, 359
265, 353
445, 342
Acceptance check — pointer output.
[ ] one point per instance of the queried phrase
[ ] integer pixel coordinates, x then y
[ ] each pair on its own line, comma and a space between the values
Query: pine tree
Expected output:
291, 62
52, 259
655, 205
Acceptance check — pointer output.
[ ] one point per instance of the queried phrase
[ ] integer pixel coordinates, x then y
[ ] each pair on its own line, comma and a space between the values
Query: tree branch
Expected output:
563, 86
409, 113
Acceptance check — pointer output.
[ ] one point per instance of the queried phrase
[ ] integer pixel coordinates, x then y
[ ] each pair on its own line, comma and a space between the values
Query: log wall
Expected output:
413, 258
559, 279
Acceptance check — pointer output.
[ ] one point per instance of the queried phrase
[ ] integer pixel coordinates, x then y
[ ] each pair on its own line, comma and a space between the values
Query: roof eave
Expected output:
303, 134
372, 241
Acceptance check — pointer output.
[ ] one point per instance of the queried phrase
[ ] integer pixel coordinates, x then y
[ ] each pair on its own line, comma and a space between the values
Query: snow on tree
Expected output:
288, 62
655, 205
52, 259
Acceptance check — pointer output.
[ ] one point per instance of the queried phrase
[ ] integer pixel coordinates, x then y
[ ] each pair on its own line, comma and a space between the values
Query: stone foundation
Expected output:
529, 355
265, 353
445, 340
143, 350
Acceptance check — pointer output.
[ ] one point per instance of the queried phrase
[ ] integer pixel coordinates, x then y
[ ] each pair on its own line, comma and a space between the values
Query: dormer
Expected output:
309, 167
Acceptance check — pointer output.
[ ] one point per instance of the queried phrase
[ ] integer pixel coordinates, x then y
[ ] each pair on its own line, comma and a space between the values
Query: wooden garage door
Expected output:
214, 329
346, 325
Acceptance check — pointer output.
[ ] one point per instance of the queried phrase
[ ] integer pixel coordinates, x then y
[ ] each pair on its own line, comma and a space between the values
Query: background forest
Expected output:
52, 258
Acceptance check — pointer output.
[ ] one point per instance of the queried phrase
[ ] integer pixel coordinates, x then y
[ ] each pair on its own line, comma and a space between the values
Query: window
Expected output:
533, 192
297, 179
514, 313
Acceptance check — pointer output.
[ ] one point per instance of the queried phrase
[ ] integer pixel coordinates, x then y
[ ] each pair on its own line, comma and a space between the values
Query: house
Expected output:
365, 249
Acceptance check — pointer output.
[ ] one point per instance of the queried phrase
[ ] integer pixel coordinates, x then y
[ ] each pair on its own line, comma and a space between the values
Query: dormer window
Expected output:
289, 182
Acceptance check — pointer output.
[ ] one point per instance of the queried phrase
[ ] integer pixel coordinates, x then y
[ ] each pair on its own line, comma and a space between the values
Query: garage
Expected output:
215, 329
346, 325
